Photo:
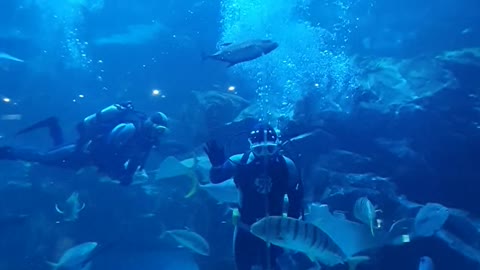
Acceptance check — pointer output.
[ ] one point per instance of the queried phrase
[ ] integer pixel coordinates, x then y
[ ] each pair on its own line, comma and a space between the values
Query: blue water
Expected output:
80, 56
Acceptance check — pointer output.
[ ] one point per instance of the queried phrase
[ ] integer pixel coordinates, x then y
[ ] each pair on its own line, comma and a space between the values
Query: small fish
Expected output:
191, 240
77, 257
7, 56
301, 236
426, 263
365, 212
225, 192
234, 53
72, 208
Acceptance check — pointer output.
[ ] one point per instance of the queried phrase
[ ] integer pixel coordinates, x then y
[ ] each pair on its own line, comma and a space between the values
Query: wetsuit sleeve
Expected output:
226, 171
121, 134
118, 137
295, 191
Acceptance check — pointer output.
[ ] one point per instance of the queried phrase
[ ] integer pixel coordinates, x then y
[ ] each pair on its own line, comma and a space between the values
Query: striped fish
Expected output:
365, 212
302, 237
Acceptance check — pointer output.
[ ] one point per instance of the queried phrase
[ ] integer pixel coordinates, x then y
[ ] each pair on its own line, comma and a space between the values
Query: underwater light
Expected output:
231, 88
155, 92
6, 100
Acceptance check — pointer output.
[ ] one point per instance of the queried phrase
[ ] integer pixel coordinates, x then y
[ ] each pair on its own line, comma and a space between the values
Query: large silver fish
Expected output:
234, 53
76, 258
189, 239
303, 237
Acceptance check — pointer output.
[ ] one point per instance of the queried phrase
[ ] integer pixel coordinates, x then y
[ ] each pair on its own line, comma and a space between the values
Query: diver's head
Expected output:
263, 140
156, 125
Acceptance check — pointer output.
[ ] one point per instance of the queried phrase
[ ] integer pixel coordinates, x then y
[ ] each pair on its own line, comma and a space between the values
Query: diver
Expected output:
116, 140
263, 177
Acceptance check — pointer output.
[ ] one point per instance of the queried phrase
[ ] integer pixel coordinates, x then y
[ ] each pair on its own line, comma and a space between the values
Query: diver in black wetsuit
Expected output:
117, 140
263, 177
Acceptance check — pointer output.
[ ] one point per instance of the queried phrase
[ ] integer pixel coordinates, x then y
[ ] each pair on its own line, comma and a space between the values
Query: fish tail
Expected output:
355, 261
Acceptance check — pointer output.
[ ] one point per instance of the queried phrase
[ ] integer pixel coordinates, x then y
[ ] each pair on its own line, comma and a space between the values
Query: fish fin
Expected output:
81, 208
231, 65
171, 168
311, 257
52, 264
355, 261
195, 185
226, 44
58, 209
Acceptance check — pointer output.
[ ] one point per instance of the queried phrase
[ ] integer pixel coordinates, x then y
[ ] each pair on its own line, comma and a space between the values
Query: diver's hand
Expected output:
215, 153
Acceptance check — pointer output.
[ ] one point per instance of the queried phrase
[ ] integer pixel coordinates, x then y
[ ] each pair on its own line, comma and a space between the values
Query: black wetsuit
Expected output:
107, 152
262, 186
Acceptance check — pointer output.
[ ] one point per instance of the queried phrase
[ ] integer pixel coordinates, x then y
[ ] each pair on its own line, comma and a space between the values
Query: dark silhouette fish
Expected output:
234, 53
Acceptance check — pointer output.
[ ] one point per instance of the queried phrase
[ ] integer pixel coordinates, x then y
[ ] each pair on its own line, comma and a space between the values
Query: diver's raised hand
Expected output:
215, 153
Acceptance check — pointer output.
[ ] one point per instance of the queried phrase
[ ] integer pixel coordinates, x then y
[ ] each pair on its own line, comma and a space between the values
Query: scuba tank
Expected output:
107, 114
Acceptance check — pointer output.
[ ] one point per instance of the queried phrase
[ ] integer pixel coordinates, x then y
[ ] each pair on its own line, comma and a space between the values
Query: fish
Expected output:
72, 209
429, 219
135, 35
352, 237
301, 236
365, 212
196, 169
7, 56
76, 258
235, 53
426, 263
190, 240
225, 192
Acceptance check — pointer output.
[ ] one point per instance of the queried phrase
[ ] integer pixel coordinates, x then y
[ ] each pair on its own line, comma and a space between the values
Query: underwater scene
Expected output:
239, 135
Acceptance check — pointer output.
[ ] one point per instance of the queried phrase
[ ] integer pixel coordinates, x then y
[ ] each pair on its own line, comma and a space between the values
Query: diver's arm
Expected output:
295, 191
226, 171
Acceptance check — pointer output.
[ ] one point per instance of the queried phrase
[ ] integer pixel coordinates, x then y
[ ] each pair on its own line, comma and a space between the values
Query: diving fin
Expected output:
54, 128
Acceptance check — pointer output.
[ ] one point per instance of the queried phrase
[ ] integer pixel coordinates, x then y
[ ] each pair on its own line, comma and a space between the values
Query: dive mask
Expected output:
264, 149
